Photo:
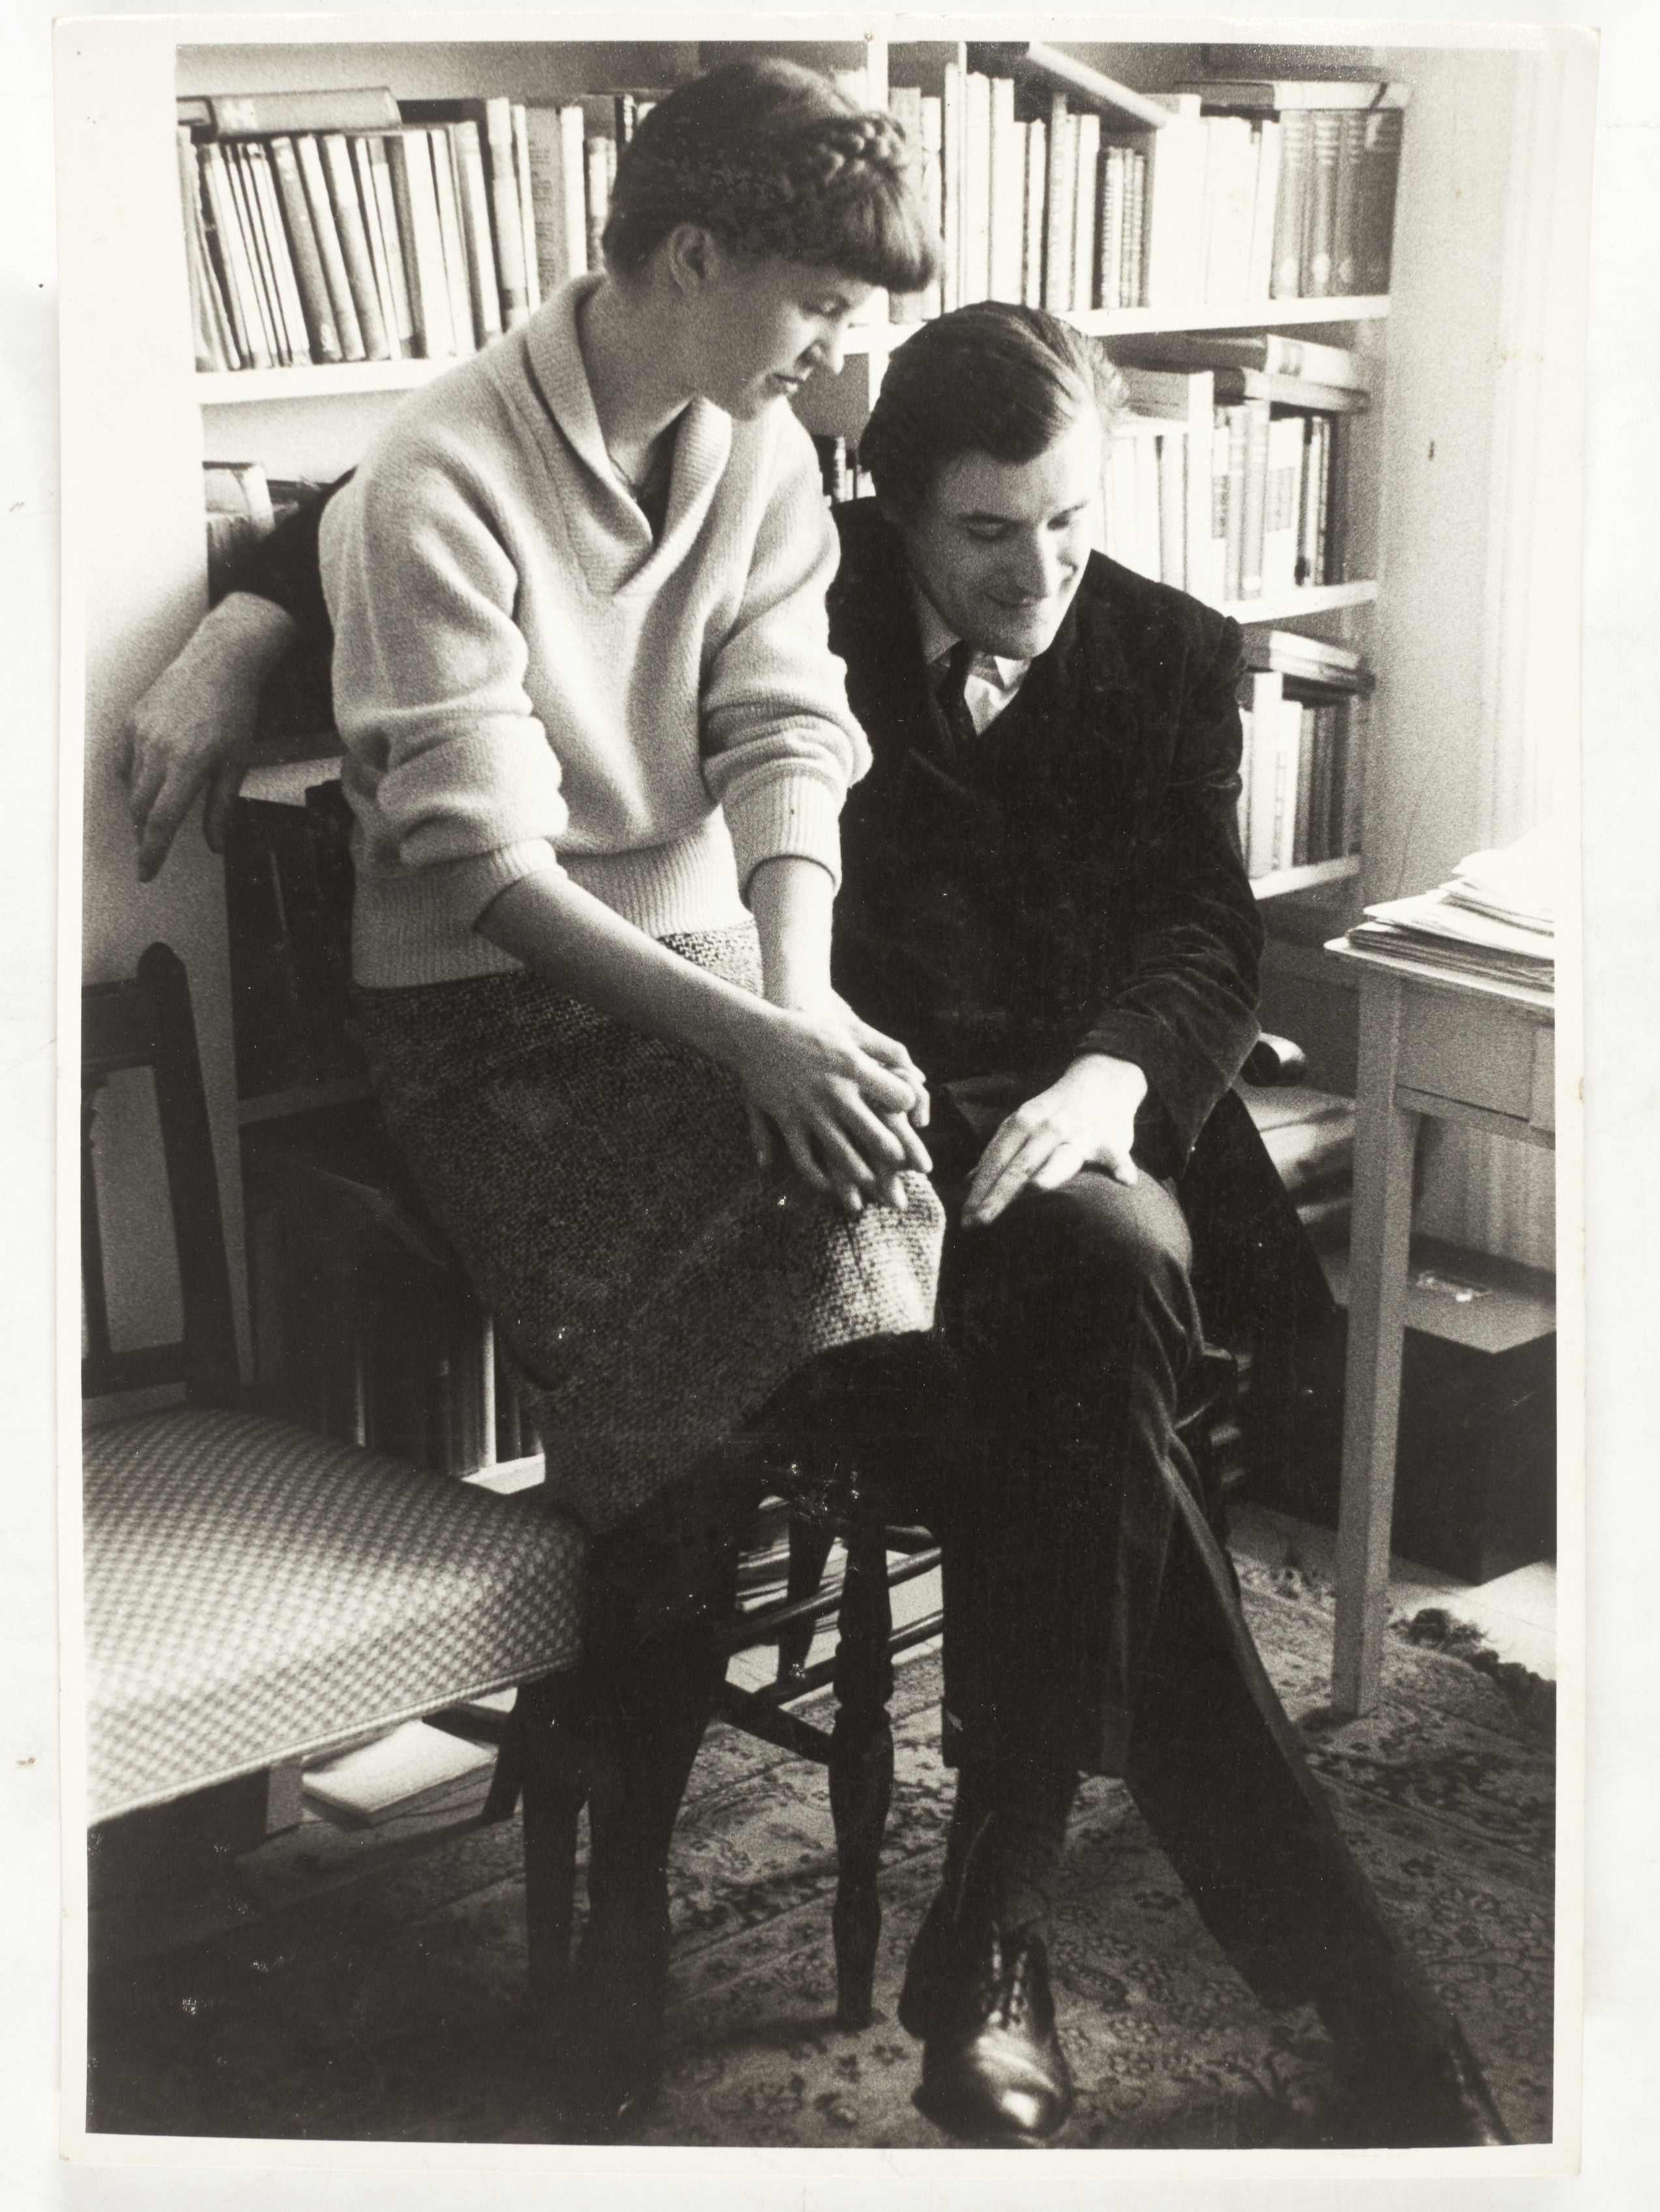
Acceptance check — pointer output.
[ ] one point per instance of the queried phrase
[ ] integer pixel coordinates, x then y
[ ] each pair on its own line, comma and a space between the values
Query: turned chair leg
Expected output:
546, 1755
809, 1541
861, 1769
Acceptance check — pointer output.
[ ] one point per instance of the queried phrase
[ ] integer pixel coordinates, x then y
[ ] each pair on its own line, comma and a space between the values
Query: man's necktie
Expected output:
953, 701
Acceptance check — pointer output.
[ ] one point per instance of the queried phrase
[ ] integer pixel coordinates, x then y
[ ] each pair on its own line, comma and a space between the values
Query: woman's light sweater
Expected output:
525, 681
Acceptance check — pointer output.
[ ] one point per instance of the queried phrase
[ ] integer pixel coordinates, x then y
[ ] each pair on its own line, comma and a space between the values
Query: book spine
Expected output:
458, 283
263, 177
253, 242
1308, 504
1031, 257
1006, 159
233, 260
1325, 140
354, 246
1255, 498
1087, 210
1242, 809
1303, 814
1135, 233
1266, 708
1235, 420
206, 339
952, 103
1112, 227
573, 145
905, 106
595, 181
1287, 755
1172, 510
1345, 233
1280, 518
1291, 207
409, 157
1265, 205
977, 283
314, 299
1318, 846
1149, 529
934, 186
1380, 166
526, 206
1223, 508
1197, 472
1058, 203
474, 198
550, 229
364, 171
513, 296
1174, 270
329, 248
386, 208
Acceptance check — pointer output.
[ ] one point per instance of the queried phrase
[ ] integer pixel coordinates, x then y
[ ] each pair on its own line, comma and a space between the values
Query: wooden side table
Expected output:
1461, 1050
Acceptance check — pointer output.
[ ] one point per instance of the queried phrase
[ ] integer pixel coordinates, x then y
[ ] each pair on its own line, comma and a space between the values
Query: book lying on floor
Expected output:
399, 1773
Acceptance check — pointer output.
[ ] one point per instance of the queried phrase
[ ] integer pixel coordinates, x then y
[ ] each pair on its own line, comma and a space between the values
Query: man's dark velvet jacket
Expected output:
1076, 886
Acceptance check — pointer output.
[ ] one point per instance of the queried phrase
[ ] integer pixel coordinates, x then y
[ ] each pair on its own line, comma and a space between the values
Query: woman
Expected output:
597, 746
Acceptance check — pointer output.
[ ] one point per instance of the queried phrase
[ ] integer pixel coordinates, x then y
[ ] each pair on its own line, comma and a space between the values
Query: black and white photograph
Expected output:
824, 1188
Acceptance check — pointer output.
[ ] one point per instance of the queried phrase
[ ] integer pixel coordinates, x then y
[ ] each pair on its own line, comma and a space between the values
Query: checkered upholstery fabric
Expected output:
255, 1593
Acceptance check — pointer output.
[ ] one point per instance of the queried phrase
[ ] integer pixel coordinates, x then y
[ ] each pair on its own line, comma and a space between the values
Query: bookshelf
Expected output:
146, 435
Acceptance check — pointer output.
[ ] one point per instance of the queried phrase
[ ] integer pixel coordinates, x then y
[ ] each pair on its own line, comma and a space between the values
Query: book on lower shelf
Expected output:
1302, 773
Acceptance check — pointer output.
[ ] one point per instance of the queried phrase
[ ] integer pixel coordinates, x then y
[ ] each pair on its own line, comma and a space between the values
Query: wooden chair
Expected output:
256, 1593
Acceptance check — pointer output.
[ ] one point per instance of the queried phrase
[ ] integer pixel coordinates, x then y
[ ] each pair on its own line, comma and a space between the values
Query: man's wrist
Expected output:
1127, 1076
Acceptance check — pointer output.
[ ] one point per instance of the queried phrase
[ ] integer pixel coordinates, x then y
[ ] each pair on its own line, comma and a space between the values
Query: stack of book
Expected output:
326, 227
1495, 918
1303, 710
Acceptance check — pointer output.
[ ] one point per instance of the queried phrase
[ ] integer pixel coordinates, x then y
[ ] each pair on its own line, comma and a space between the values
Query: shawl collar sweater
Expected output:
525, 680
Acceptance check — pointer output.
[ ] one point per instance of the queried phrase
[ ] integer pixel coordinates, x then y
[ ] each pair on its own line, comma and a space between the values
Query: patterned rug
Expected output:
368, 1988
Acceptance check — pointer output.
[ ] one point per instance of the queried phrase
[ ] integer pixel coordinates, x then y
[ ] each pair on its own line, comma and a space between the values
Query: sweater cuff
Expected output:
788, 816
469, 886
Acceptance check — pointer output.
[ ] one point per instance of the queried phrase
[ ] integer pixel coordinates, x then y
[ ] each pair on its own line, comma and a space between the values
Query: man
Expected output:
1044, 896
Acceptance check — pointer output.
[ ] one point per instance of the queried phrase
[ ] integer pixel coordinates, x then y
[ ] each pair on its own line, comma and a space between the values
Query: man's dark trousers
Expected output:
1092, 1618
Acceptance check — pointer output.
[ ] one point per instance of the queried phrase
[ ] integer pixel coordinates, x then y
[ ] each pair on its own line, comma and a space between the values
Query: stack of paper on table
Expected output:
1494, 918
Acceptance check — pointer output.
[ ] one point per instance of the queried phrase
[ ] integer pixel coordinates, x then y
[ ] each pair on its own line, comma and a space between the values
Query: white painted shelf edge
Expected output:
1284, 880
240, 387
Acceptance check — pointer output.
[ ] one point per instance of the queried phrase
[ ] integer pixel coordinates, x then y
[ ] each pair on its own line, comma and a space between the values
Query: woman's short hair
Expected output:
989, 378
773, 161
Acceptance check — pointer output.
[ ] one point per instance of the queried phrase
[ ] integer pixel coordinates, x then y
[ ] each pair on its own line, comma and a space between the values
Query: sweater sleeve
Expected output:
781, 744
429, 691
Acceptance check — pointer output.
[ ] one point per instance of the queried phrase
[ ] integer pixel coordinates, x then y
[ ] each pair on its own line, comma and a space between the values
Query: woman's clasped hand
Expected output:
845, 1102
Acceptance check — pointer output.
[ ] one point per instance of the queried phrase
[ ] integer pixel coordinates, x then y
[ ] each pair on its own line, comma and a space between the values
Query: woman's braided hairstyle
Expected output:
773, 161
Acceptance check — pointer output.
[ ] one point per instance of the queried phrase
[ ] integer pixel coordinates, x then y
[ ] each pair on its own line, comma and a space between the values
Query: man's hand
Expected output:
194, 727
1086, 1120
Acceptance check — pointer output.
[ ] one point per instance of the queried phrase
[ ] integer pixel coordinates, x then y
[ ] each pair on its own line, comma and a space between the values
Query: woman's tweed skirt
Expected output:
652, 1285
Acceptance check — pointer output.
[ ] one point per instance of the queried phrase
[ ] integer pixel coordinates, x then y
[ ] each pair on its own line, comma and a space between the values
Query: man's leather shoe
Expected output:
927, 1969
992, 2068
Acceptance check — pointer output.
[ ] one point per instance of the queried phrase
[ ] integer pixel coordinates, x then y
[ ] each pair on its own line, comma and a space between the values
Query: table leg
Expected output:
1385, 1141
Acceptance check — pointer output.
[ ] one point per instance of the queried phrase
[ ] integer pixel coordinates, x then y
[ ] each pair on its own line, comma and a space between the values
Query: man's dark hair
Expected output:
989, 378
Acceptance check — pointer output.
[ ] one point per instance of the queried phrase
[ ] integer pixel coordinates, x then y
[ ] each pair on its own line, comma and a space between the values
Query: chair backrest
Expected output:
147, 1023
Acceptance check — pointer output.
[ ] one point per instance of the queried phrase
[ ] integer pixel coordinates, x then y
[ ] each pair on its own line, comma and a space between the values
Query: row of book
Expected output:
1055, 203
345, 225
1303, 714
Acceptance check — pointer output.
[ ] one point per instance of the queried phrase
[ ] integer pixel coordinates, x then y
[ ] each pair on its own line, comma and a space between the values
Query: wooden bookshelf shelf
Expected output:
239, 387
1307, 878
231, 387
1307, 600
